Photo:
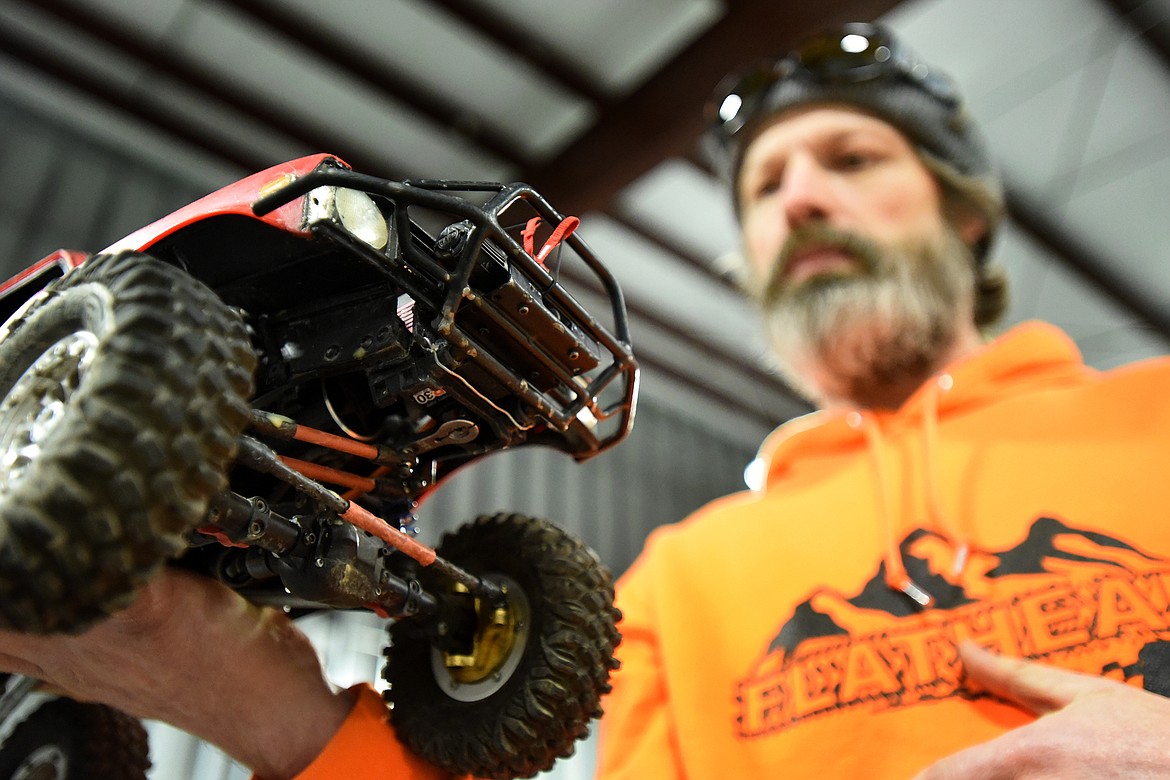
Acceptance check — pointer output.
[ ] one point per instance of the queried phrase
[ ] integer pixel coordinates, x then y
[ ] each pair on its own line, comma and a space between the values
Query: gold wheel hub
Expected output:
495, 636
501, 635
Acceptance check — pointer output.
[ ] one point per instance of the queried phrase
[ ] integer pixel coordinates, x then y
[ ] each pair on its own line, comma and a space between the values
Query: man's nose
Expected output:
806, 194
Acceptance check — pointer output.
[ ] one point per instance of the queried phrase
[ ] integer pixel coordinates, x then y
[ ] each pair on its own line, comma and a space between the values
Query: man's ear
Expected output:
972, 227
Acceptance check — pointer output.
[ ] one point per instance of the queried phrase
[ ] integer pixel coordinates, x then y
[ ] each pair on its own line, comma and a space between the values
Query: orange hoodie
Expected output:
808, 630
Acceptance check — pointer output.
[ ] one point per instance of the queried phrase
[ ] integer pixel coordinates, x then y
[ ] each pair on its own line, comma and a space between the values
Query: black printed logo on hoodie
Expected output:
1099, 604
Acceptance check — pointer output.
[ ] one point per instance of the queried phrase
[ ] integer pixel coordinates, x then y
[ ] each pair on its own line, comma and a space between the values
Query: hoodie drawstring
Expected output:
895, 569
896, 576
938, 517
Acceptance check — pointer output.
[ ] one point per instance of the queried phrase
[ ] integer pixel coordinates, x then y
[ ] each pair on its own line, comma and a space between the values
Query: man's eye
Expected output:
764, 187
767, 187
852, 161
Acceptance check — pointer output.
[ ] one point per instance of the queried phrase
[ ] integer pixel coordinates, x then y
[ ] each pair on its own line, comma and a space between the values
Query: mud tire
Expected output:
67, 740
137, 444
545, 704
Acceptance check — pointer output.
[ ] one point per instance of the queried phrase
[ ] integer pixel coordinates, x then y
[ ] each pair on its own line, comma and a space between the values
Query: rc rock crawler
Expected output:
264, 386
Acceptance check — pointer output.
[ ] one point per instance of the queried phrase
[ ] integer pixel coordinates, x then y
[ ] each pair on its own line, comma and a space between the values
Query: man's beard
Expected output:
873, 335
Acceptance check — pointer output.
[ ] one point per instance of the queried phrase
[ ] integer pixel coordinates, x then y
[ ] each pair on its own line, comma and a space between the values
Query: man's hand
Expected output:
194, 654
1090, 727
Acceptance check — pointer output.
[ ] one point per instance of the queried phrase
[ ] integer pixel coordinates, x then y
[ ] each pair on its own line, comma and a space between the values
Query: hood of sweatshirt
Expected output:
1031, 356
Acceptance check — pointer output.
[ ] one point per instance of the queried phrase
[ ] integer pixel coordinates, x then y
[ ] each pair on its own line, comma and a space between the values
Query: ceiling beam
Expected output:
542, 58
685, 256
1147, 20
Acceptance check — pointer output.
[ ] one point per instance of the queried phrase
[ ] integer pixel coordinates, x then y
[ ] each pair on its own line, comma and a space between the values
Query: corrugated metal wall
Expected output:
64, 190
60, 189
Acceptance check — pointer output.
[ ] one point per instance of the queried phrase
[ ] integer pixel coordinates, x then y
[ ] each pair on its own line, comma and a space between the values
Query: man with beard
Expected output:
952, 496
959, 539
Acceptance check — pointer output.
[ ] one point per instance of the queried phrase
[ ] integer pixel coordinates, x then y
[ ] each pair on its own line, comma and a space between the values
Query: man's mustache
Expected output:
817, 235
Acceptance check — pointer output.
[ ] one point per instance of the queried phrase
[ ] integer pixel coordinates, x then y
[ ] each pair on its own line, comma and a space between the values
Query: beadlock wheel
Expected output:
123, 389
541, 663
37, 402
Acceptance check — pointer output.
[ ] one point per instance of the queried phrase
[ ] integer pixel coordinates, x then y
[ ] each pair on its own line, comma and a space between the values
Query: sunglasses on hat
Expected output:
856, 53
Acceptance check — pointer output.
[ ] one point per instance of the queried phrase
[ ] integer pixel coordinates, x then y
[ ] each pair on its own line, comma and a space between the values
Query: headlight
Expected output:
353, 210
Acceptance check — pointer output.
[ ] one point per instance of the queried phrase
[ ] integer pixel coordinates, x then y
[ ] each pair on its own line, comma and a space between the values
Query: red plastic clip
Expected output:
529, 235
563, 231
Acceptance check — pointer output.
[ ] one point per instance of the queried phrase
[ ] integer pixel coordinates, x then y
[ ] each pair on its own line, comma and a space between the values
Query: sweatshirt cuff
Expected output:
366, 748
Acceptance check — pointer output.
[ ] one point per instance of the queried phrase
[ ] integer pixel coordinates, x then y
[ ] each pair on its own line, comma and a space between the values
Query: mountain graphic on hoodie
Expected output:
1063, 595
